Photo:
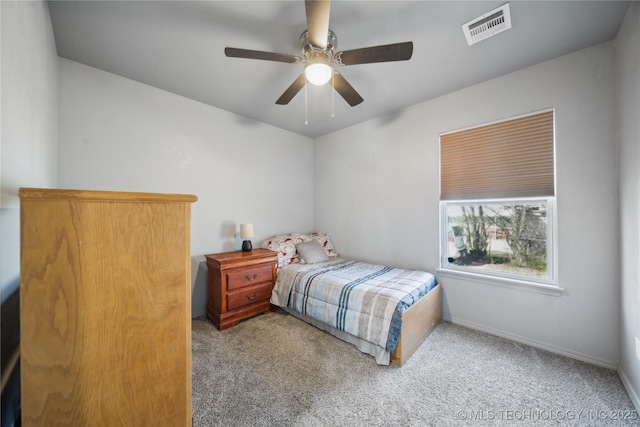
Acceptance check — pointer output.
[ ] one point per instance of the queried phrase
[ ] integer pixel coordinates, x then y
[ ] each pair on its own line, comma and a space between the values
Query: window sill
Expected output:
522, 285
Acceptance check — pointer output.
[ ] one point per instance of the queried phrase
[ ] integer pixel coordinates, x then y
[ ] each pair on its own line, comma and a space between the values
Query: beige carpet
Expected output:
275, 370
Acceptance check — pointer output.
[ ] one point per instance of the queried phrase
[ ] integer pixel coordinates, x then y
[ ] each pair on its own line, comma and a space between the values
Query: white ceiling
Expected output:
179, 46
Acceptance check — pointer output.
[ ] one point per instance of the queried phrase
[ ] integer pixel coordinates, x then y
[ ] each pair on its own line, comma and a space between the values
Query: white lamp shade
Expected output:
318, 70
246, 231
318, 74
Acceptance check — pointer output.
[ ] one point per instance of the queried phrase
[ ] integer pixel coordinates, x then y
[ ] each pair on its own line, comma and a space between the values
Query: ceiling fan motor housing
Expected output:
308, 48
318, 61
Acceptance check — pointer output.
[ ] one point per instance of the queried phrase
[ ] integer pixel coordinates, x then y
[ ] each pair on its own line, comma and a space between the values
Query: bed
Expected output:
384, 311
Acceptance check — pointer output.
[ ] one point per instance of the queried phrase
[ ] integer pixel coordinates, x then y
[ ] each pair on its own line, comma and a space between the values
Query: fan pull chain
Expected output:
306, 119
333, 94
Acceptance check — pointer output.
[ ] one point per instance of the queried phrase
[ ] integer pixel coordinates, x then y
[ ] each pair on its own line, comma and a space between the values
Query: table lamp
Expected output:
246, 232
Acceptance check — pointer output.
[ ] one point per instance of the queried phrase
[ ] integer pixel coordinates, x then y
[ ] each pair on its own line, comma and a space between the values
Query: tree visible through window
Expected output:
509, 237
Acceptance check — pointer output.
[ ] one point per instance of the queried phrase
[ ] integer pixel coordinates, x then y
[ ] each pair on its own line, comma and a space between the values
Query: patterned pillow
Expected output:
285, 246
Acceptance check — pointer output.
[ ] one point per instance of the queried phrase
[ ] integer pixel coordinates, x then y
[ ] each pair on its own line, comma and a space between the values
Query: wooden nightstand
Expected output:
239, 285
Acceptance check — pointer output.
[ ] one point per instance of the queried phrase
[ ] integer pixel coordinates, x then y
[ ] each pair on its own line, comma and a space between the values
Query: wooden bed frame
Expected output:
417, 323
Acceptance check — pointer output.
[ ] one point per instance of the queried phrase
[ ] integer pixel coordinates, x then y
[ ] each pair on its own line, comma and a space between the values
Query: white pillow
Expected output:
325, 242
311, 252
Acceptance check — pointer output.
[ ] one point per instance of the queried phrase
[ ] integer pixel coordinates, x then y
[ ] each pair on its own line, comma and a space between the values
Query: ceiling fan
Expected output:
319, 56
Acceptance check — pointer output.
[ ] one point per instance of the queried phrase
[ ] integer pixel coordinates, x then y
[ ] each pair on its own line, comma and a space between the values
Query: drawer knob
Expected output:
251, 297
251, 279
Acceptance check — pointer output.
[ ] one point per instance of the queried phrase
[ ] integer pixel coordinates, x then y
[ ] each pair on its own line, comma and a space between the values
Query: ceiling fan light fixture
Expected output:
319, 56
318, 71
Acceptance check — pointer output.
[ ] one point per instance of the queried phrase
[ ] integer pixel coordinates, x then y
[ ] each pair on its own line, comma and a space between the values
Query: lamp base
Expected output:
246, 246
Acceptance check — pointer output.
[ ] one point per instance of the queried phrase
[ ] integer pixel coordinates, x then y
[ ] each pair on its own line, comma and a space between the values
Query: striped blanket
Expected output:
362, 299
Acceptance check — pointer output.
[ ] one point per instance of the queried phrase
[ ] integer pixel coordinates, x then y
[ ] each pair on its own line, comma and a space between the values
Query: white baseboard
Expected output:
633, 394
533, 343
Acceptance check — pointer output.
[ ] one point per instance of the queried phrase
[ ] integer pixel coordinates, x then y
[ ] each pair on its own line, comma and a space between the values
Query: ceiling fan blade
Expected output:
258, 54
318, 22
342, 86
385, 53
292, 90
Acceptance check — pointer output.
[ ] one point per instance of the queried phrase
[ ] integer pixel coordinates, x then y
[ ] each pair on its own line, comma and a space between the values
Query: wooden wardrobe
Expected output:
105, 308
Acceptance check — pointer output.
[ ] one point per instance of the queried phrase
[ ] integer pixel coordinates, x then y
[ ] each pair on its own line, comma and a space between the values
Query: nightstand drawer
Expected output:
249, 295
249, 277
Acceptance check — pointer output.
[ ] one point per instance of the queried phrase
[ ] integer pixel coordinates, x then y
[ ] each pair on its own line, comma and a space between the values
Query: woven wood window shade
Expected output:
510, 159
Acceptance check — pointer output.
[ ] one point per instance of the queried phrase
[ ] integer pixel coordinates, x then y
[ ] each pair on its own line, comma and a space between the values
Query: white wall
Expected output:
29, 112
118, 134
28, 145
377, 195
628, 98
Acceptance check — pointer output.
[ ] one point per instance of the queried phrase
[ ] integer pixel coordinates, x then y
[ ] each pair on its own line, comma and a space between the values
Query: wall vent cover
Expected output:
487, 25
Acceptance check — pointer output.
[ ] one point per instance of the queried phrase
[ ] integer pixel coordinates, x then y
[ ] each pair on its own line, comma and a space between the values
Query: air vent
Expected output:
487, 25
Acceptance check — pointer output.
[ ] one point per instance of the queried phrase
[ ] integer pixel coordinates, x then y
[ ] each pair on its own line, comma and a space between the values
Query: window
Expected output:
509, 238
498, 199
